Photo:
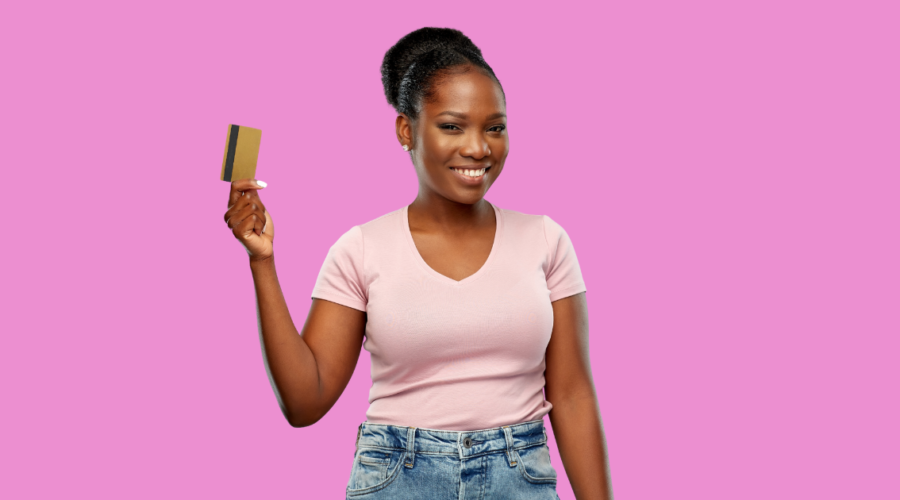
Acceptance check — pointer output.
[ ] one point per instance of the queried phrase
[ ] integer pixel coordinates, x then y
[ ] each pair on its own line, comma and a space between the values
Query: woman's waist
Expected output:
452, 442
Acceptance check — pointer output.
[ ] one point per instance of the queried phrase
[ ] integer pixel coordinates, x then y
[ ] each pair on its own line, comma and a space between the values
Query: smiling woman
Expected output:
451, 113
448, 278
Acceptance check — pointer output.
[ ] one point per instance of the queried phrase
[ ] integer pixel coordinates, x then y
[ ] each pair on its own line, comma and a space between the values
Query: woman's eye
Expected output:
497, 128
449, 126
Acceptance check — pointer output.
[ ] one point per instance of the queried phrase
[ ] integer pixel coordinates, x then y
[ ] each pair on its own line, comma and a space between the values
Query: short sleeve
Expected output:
341, 278
563, 272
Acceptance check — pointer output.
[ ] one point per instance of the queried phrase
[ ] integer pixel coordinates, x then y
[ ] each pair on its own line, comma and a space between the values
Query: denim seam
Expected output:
509, 447
374, 461
428, 452
392, 475
533, 479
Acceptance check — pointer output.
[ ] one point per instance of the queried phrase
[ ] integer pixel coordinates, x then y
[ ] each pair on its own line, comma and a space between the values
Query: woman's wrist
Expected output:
263, 262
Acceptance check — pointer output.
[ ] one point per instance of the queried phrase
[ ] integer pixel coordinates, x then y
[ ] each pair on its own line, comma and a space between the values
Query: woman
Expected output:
471, 313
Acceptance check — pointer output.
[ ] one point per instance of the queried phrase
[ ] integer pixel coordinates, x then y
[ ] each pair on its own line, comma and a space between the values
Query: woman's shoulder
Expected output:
353, 242
517, 220
384, 226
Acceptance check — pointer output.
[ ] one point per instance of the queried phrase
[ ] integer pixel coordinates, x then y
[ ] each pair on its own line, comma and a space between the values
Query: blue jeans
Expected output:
409, 463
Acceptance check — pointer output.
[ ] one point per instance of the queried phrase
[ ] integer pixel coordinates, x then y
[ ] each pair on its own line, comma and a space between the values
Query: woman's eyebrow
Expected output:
464, 116
453, 113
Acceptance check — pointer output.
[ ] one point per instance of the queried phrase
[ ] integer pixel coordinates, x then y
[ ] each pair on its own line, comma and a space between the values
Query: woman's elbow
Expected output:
301, 419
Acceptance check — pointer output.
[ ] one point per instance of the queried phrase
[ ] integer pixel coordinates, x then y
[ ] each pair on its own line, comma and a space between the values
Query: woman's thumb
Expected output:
268, 226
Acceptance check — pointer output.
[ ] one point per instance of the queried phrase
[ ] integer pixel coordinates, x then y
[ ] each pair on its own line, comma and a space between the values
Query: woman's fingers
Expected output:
247, 218
247, 227
241, 186
256, 205
259, 223
249, 211
269, 226
253, 223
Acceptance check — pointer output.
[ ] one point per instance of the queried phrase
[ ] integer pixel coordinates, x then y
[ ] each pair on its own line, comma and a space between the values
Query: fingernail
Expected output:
261, 184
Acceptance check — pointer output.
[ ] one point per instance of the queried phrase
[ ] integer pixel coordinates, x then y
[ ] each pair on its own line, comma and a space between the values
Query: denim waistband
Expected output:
463, 444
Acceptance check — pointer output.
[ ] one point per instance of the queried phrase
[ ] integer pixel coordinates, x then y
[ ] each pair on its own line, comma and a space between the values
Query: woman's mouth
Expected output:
470, 176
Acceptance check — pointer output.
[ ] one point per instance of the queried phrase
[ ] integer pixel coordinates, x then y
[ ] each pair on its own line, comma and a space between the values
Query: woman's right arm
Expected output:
308, 370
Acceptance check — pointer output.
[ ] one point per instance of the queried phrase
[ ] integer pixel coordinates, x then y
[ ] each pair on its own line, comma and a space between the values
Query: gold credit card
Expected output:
241, 153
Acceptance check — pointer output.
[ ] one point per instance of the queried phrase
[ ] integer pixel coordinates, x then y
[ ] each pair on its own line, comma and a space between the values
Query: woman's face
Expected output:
462, 128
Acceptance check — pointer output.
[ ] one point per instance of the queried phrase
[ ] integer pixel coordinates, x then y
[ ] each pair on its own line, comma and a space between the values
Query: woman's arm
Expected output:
575, 416
310, 370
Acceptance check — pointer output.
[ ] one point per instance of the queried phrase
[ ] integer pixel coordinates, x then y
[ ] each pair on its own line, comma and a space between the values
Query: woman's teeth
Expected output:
470, 172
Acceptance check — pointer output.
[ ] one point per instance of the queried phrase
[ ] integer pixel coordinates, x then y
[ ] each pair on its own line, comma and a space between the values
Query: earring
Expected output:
405, 147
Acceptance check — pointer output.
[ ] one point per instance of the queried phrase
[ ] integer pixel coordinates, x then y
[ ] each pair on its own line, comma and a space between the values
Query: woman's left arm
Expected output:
575, 416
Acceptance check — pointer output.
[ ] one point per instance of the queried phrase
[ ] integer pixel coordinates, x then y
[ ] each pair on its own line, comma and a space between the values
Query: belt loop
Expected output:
509, 446
358, 432
410, 447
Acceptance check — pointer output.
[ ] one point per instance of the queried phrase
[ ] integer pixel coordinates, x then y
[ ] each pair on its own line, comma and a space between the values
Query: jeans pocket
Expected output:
534, 463
371, 469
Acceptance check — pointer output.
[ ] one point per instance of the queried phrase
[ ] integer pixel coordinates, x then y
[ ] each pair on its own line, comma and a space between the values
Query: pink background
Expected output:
727, 171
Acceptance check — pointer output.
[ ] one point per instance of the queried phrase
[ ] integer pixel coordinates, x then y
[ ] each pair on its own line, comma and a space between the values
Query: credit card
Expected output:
241, 153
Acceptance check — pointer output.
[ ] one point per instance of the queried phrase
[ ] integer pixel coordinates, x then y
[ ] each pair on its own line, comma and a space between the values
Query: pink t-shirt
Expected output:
446, 354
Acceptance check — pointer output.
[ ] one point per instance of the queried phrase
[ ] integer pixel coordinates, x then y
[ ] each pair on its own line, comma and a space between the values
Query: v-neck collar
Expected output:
446, 279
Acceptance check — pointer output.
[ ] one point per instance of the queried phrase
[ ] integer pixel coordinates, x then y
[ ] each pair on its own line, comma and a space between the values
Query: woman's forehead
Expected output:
472, 92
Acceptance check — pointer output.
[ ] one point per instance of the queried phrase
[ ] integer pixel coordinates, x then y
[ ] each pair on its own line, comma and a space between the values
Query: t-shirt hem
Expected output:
566, 292
344, 301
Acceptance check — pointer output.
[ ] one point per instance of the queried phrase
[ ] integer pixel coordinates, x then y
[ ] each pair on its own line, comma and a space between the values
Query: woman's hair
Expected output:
419, 61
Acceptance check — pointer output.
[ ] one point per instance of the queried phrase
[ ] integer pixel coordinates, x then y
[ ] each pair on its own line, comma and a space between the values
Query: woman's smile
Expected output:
470, 175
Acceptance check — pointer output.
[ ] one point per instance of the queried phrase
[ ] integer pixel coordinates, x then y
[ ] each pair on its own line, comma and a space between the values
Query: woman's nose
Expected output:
476, 147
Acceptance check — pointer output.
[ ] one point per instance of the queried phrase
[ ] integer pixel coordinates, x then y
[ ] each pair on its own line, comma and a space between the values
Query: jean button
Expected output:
467, 442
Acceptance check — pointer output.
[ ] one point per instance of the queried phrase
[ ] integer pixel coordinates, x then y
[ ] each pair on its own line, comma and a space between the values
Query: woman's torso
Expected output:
448, 354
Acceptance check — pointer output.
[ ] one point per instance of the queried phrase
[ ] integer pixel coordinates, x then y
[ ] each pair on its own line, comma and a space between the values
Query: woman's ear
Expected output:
404, 132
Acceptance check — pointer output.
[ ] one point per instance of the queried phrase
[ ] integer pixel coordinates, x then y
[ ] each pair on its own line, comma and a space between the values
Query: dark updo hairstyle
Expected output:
419, 61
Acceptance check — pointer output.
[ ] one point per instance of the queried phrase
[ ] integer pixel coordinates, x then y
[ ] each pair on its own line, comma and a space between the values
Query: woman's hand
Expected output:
248, 219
